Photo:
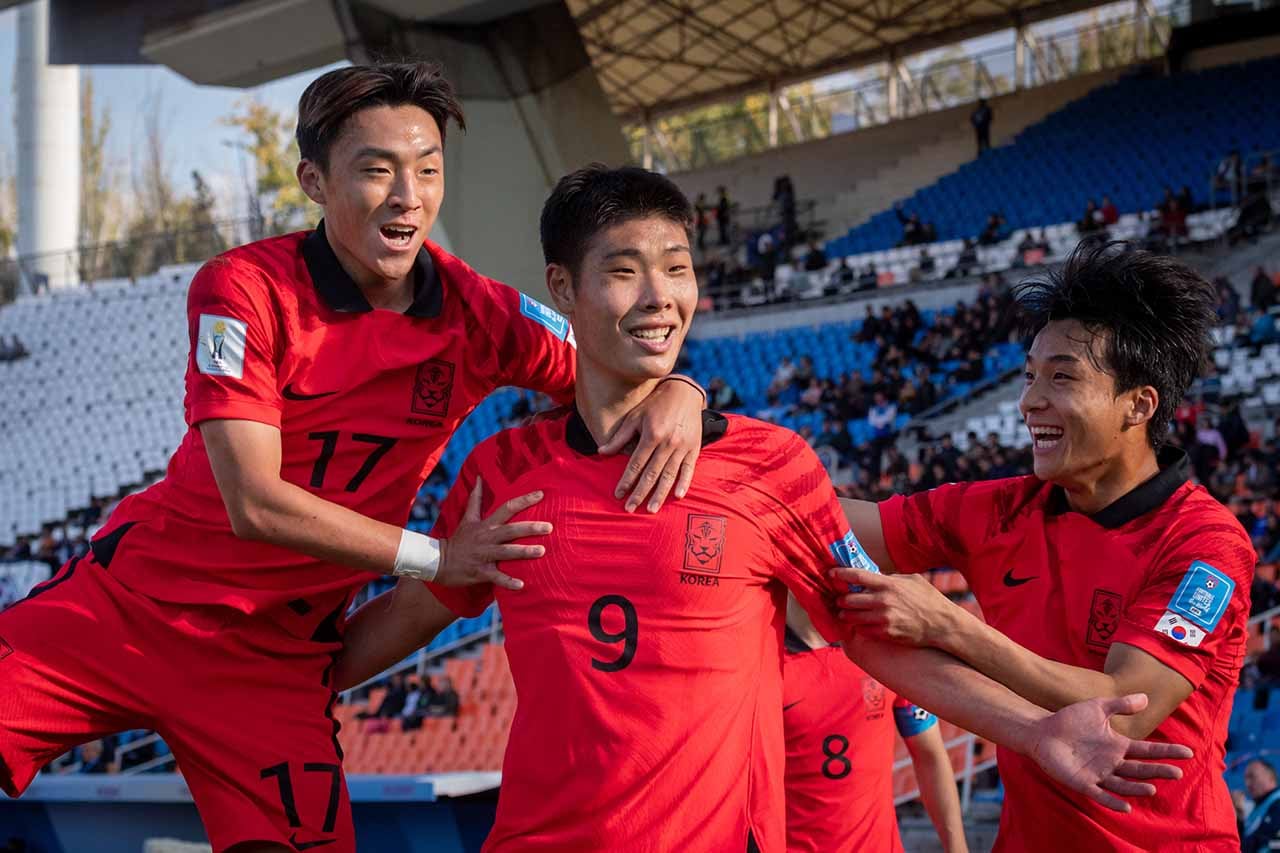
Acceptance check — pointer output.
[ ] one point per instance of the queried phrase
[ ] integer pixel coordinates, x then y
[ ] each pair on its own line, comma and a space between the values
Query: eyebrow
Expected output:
387, 154
1062, 358
636, 253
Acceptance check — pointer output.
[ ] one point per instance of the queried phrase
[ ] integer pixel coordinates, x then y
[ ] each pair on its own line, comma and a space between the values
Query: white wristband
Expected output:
418, 556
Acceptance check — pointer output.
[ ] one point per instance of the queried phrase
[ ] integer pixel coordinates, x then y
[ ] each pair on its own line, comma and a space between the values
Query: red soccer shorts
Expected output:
245, 707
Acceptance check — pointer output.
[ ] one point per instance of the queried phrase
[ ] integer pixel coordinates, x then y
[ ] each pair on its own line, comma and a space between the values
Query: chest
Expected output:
1059, 588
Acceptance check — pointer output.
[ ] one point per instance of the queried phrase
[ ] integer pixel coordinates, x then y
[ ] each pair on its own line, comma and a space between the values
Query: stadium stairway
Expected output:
955, 147
1100, 144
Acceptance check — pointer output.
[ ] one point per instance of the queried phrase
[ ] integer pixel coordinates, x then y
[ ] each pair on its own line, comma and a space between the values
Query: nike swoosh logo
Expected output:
289, 394
307, 845
1010, 580
792, 705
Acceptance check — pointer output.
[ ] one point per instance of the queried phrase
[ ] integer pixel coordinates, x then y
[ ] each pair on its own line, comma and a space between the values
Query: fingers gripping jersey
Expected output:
365, 402
645, 647
1166, 569
839, 725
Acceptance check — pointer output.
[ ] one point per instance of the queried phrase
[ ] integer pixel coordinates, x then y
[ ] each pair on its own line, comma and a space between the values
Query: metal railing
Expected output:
158, 761
135, 257
1266, 620
805, 112
1259, 171
972, 767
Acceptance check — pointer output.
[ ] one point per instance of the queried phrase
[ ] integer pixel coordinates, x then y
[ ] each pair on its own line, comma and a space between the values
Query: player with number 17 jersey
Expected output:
646, 649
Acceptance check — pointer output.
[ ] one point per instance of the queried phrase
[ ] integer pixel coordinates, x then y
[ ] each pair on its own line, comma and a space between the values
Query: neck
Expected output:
394, 294
604, 400
1099, 488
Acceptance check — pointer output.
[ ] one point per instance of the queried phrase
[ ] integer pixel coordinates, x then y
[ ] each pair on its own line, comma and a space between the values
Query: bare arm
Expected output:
388, 629
864, 520
936, 780
910, 611
1076, 746
245, 457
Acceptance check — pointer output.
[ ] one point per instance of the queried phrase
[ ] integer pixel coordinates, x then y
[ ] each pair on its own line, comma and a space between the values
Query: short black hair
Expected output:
334, 97
1155, 313
596, 197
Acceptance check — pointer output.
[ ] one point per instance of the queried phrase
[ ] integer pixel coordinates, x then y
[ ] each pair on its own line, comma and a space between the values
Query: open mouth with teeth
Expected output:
1046, 437
659, 334
398, 235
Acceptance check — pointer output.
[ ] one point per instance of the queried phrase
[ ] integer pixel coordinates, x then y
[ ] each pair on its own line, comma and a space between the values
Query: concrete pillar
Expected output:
48, 164
894, 95
1019, 57
646, 142
535, 111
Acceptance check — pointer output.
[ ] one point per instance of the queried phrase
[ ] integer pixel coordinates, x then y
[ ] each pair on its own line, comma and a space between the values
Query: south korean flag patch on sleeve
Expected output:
1197, 605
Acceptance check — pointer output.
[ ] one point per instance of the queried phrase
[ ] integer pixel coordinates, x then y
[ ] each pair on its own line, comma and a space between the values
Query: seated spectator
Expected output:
415, 704
722, 396
881, 417
1262, 827
393, 701
1092, 219
870, 279
816, 259
803, 373
98, 756
1108, 212
445, 701
913, 233
835, 434
1228, 307
992, 233
1262, 290
967, 263
1187, 201
925, 267
1173, 221
811, 396
783, 375
1230, 174
841, 280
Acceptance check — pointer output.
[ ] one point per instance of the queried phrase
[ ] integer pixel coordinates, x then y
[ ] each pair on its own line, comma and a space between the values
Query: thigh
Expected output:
65, 674
257, 745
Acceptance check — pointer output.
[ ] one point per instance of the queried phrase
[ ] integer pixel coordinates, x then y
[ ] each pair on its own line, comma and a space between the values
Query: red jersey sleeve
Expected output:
233, 327
1193, 604
807, 526
937, 528
533, 345
465, 601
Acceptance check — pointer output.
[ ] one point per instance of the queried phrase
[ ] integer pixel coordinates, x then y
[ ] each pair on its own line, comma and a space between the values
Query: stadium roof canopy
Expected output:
651, 56
661, 55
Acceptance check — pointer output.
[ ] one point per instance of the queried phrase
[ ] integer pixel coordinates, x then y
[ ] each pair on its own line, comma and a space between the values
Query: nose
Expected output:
404, 192
658, 293
1031, 399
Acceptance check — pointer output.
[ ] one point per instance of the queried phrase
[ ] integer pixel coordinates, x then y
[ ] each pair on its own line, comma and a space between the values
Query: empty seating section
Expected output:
1128, 140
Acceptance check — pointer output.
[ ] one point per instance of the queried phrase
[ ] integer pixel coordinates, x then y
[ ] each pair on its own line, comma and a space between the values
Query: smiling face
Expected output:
1079, 425
381, 191
631, 300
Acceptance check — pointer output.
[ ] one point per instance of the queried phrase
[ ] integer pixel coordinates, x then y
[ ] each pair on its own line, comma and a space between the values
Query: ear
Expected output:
311, 180
560, 286
1142, 405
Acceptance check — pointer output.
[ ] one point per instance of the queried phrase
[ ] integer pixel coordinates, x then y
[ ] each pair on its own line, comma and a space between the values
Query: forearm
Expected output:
864, 521
1046, 683
951, 689
291, 517
388, 629
936, 781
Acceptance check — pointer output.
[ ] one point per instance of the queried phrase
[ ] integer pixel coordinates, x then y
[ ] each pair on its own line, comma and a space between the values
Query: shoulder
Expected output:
475, 293
1194, 526
744, 431
258, 267
515, 451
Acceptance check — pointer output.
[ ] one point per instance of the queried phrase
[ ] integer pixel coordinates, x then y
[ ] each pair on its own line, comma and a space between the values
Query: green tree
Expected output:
100, 202
274, 154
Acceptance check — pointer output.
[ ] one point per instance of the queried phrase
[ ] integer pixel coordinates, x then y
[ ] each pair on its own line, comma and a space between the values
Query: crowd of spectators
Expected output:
410, 700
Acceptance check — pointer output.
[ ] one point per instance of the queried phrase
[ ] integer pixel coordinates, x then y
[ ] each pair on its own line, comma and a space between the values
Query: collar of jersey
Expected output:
578, 437
1175, 469
340, 292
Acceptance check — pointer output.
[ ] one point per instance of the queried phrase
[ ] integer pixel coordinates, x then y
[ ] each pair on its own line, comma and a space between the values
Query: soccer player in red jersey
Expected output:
645, 649
1106, 573
839, 725
328, 371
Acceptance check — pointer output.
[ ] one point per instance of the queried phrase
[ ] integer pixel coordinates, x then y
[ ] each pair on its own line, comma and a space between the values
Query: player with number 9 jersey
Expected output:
645, 649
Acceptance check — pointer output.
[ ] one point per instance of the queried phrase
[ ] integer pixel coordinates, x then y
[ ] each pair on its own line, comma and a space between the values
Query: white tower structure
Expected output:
48, 163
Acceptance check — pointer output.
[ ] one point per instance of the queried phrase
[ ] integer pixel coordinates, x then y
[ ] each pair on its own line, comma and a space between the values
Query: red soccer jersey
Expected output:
365, 402
1165, 568
645, 648
840, 749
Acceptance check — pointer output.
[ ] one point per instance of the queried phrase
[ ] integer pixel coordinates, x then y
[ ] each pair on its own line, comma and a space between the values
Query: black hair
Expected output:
1155, 315
596, 197
334, 97
1270, 768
